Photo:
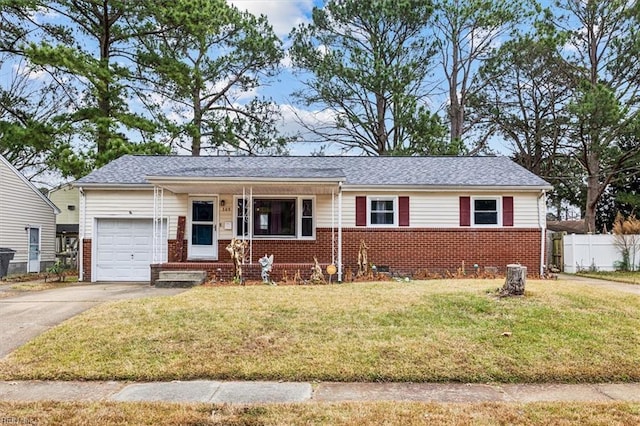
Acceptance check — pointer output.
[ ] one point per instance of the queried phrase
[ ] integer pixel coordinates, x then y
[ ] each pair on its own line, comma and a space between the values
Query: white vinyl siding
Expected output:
63, 198
134, 204
436, 209
525, 211
21, 207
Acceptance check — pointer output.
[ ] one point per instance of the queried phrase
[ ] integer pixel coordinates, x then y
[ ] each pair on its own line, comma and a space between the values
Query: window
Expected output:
275, 217
485, 211
307, 218
382, 211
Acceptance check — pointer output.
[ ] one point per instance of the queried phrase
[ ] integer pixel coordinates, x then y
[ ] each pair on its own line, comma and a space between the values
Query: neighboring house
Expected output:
67, 198
27, 222
414, 213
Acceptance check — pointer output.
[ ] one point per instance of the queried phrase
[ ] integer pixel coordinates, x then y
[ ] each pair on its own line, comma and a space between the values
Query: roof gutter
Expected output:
444, 188
112, 186
163, 180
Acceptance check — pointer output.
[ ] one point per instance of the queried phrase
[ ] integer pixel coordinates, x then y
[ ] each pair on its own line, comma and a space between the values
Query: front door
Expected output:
203, 238
34, 250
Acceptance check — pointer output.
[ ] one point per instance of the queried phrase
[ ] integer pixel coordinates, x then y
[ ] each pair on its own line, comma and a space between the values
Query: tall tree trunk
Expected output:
455, 109
594, 188
381, 129
196, 137
104, 88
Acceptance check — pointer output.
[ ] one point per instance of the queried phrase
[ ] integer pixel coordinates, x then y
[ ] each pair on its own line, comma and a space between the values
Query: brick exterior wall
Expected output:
86, 260
407, 250
403, 250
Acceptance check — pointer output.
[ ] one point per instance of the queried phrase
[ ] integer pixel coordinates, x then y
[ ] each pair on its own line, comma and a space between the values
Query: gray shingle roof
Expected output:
410, 171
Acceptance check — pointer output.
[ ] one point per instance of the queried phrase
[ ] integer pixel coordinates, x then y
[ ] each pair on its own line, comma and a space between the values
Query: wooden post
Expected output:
515, 281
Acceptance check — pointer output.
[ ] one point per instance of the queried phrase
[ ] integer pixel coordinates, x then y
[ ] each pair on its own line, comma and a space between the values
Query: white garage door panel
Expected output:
124, 249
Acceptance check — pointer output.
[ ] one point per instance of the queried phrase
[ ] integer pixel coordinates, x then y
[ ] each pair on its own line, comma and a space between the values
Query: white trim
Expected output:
189, 226
158, 242
114, 186
441, 188
39, 252
340, 232
82, 217
498, 200
164, 180
542, 222
394, 198
31, 186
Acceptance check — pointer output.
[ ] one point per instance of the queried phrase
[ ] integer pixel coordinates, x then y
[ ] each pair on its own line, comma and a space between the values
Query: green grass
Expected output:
343, 414
631, 277
431, 331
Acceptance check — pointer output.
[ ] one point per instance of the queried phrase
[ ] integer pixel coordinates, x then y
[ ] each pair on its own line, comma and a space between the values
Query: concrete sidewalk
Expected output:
288, 392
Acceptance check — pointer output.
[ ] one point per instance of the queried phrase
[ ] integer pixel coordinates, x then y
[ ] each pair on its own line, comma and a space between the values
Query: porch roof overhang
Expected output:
261, 181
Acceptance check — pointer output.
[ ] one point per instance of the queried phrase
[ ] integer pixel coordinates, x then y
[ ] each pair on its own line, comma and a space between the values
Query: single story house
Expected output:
27, 222
143, 214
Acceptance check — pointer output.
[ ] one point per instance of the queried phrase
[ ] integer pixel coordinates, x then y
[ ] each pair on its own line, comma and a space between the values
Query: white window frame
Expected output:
498, 201
298, 200
394, 198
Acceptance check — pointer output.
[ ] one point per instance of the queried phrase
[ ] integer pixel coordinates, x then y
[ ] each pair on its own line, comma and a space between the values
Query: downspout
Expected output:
542, 222
340, 232
81, 228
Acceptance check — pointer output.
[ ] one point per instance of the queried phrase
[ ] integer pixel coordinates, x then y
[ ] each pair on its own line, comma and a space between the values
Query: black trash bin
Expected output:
6, 254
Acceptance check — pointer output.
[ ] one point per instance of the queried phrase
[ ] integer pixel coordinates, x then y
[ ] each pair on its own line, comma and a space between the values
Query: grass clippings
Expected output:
430, 331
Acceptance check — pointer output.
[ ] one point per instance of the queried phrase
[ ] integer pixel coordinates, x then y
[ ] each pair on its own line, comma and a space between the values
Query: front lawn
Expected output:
343, 414
631, 277
429, 331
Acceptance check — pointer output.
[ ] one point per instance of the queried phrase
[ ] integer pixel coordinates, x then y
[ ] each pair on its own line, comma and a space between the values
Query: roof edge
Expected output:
225, 179
447, 188
55, 208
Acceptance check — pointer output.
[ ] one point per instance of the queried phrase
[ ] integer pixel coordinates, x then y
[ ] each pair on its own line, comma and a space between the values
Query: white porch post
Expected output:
158, 210
81, 236
251, 225
154, 238
340, 232
333, 226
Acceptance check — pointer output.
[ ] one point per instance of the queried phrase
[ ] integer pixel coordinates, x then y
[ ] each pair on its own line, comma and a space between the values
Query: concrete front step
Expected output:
180, 279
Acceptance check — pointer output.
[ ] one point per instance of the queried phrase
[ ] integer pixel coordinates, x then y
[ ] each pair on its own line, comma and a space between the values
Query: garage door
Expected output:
124, 249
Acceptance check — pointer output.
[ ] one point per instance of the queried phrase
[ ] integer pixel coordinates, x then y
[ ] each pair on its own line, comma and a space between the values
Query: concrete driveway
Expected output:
25, 316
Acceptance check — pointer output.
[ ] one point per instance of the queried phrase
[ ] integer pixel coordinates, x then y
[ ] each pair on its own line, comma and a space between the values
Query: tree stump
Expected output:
515, 281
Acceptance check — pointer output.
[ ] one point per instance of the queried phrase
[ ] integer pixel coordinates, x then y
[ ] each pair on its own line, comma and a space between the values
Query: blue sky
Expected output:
284, 15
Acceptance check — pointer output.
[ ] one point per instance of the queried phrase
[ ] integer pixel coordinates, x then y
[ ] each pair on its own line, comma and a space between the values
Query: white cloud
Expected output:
43, 14
283, 15
291, 124
26, 70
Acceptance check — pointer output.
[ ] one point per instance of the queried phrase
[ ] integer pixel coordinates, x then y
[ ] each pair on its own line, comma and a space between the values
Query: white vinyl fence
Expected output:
587, 251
